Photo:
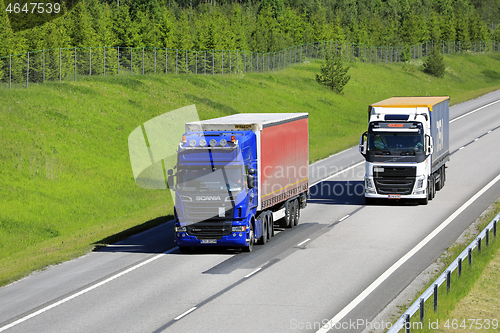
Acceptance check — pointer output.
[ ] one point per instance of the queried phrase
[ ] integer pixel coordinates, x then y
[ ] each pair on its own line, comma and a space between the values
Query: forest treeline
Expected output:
262, 26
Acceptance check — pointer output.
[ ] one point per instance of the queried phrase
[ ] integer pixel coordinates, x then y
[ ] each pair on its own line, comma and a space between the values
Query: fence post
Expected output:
222, 62
196, 63
230, 71
495, 228
143, 60
205, 62
479, 245
186, 61
131, 73
118, 59
10, 71
75, 64
459, 267
213, 63
155, 60
43, 66
487, 237
90, 61
448, 280
166, 60
435, 297
421, 307
176, 59
470, 256
60, 70
407, 323
104, 60
28, 70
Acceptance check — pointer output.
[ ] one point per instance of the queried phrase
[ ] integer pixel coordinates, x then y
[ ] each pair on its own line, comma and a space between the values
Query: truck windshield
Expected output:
206, 179
395, 143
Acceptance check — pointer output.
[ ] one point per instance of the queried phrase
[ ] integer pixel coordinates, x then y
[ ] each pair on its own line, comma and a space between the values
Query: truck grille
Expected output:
210, 229
198, 212
394, 180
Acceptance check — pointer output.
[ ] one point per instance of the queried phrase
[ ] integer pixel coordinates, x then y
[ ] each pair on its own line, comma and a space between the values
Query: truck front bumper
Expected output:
235, 239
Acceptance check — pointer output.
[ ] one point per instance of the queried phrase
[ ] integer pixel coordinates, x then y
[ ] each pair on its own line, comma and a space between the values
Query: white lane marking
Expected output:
75, 295
185, 313
375, 284
461, 148
302, 243
338, 173
248, 275
342, 219
471, 112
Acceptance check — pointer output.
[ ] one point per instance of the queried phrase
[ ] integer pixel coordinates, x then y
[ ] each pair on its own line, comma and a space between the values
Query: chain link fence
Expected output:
68, 64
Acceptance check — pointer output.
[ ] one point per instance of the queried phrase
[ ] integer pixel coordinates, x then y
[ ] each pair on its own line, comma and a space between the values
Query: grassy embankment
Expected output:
472, 303
66, 178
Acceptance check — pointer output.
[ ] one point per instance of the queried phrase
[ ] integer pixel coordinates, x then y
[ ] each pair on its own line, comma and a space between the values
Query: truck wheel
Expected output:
249, 247
263, 238
431, 187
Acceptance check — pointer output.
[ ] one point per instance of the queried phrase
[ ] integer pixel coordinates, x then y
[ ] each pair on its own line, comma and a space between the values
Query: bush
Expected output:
333, 74
434, 65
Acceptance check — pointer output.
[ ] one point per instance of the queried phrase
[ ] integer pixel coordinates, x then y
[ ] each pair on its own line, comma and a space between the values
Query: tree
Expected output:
434, 65
333, 74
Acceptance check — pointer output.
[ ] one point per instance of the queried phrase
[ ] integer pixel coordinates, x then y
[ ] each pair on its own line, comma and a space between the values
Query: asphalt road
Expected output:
343, 263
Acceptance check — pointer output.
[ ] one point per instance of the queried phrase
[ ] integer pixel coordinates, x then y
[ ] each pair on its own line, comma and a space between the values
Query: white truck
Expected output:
406, 148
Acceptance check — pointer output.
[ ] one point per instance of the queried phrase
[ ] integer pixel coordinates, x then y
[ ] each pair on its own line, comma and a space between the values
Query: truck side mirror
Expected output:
170, 172
251, 181
363, 142
170, 182
429, 145
251, 171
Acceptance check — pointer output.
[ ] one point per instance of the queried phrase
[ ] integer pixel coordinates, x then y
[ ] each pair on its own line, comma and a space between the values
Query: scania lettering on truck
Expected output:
236, 175
406, 148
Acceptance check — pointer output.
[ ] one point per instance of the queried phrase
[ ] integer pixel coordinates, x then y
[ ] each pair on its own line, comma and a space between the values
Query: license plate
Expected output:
209, 241
394, 196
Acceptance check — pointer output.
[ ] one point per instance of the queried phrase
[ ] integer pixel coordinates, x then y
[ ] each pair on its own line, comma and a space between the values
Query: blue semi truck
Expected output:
236, 176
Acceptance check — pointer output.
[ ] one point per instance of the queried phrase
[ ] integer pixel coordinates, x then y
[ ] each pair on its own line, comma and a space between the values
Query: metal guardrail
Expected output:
70, 63
404, 320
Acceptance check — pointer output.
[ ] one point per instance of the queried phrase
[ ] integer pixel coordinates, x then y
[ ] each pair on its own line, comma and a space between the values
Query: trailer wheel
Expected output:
440, 183
296, 216
271, 226
249, 247
291, 215
285, 221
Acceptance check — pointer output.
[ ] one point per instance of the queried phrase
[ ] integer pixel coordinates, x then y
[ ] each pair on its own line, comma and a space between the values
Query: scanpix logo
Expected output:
207, 197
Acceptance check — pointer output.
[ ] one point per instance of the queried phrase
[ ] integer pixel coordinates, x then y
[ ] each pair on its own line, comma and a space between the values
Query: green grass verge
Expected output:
473, 296
67, 183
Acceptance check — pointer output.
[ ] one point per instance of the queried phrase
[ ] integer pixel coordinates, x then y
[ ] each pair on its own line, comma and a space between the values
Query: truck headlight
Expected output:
420, 182
369, 188
180, 229
239, 229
